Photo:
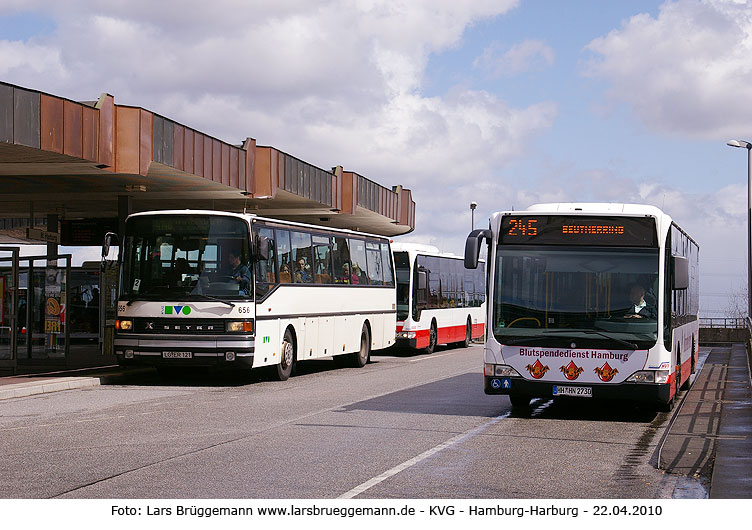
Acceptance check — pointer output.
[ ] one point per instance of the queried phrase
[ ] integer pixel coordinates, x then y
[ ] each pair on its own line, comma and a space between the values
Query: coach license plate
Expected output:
176, 355
577, 391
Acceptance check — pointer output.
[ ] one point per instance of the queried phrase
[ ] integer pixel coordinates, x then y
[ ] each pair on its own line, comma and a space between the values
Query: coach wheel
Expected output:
361, 358
468, 335
433, 338
287, 360
679, 385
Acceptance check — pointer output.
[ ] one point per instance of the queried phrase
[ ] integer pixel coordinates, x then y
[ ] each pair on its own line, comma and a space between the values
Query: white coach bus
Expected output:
217, 289
590, 301
438, 300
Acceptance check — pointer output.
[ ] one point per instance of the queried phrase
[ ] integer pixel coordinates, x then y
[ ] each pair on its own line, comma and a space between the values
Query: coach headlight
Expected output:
500, 370
239, 326
406, 335
649, 376
124, 325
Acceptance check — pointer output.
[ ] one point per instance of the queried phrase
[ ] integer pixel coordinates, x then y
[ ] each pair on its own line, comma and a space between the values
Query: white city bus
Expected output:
591, 301
217, 289
438, 300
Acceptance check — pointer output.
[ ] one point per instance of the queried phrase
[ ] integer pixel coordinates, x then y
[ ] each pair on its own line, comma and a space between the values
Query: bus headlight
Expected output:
406, 335
124, 325
649, 376
239, 326
500, 370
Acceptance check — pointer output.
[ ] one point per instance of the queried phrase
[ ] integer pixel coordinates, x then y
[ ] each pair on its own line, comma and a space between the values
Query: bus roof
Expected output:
426, 250
250, 217
596, 208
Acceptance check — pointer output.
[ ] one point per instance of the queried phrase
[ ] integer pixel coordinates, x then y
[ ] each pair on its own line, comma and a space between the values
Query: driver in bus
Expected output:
638, 307
240, 272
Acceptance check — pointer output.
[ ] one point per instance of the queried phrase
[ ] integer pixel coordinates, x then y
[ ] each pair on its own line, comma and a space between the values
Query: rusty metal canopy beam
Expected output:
75, 159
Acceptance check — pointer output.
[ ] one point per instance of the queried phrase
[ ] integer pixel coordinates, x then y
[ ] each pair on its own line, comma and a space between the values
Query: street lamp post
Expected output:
748, 147
473, 205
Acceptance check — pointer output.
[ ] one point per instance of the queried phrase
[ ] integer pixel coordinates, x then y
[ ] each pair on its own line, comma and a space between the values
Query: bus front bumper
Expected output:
185, 351
641, 392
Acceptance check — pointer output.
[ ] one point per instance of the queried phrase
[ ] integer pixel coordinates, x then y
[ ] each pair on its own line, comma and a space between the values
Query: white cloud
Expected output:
525, 56
686, 72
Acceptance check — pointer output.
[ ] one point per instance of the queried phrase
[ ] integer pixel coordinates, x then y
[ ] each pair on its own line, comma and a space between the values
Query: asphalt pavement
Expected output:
709, 438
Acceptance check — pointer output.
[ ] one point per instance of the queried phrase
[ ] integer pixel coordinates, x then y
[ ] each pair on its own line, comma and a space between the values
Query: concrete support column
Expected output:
124, 209
51, 227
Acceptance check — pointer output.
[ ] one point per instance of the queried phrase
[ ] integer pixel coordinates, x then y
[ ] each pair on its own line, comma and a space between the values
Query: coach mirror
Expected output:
472, 247
262, 248
110, 238
680, 270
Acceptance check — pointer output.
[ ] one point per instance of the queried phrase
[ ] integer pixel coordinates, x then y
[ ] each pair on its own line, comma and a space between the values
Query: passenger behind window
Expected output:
284, 274
303, 272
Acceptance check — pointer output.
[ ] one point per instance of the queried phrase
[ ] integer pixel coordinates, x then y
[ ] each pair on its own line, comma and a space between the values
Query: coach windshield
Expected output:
183, 257
557, 296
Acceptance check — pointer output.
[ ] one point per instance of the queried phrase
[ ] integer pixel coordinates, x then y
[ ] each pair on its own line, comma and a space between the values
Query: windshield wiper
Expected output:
630, 345
549, 332
213, 298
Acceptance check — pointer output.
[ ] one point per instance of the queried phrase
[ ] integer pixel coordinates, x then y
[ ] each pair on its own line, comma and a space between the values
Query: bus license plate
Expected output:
577, 391
176, 355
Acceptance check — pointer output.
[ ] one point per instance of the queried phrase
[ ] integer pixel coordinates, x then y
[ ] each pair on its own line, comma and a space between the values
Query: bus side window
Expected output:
322, 258
386, 262
283, 256
265, 277
358, 259
341, 260
302, 257
373, 255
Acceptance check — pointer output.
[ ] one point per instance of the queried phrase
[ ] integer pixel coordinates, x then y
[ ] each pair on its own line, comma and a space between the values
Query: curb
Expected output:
32, 388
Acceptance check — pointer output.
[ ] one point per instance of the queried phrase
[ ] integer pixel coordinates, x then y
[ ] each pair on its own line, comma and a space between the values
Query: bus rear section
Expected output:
589, 301
438, 300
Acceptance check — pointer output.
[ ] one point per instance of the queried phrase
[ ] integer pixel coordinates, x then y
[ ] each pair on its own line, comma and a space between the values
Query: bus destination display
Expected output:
578, 230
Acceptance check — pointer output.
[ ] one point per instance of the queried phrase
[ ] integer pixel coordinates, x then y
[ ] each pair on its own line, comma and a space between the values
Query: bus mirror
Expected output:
422, 280
472, 247
680, 270
262, 248
110, 238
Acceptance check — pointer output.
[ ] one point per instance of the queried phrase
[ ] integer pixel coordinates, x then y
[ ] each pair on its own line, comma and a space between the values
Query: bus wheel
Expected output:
679, 385
286, 363
433, 339
361, 358
468, 335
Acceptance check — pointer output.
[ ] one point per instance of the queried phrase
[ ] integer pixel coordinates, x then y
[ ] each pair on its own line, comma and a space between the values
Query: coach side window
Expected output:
302, 257
358, 261
386, 262
341, 260
265, 277
322, 259
284, 259
375, 267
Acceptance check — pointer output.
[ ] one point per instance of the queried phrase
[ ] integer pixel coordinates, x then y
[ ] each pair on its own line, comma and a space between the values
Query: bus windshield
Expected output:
186, 257
559, 296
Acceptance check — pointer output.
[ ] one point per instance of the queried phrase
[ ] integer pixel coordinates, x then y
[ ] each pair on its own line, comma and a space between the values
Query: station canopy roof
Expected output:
87, 161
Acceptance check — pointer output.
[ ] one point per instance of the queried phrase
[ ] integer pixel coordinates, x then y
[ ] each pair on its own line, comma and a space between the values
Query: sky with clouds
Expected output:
502, 102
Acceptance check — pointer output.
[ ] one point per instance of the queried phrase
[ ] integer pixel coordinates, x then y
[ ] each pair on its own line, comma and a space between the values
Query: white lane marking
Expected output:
415, 460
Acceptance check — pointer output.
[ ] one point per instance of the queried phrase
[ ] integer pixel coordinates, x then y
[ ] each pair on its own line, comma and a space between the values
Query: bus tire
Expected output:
684, 386
284, 368
433, 339
363, 355
468, 334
